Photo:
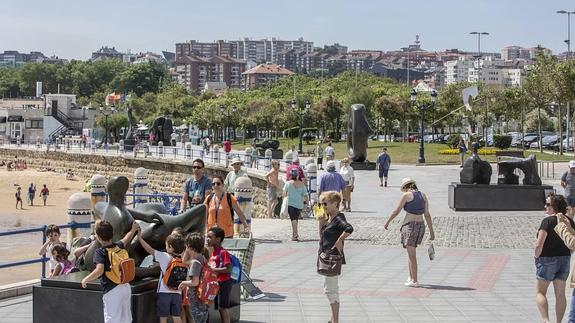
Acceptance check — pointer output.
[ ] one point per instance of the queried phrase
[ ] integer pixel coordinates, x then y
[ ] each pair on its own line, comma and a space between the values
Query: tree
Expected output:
330, 111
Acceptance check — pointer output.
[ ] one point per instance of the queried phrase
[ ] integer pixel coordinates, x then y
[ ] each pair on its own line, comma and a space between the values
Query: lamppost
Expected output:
301, 113
568, 41
106, 112
422, 106
226, 112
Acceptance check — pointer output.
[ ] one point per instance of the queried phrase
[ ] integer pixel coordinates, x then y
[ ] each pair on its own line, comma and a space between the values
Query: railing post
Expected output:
161, 149
189, 151
121, 148
44, 256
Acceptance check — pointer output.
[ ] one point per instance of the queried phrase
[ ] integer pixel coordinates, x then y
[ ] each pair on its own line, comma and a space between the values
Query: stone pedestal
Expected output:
65, 296
363, 165
482, 197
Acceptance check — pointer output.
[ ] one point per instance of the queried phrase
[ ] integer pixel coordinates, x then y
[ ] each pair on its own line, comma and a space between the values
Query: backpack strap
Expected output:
229, 197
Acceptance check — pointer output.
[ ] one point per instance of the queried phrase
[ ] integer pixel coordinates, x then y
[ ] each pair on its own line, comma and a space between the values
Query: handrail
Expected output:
42, 259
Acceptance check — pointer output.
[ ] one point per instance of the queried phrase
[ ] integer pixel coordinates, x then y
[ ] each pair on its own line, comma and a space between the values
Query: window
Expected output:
34, 124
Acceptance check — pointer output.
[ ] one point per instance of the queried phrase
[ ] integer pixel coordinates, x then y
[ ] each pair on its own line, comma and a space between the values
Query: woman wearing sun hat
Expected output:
230, 181
412, 229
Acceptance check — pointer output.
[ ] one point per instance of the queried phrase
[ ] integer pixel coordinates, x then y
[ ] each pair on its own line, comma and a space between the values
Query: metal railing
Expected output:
43, 259
546, 169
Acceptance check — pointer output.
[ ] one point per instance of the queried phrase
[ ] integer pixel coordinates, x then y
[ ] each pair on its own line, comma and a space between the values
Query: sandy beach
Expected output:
25, 246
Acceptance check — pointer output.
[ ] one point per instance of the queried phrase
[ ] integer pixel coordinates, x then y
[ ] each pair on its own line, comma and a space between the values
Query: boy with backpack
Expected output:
116, 270
174, 272
202, 283
222, 264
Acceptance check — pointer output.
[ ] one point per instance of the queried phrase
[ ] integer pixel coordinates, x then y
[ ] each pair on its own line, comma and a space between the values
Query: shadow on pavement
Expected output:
270, 297
442, 287
267, 240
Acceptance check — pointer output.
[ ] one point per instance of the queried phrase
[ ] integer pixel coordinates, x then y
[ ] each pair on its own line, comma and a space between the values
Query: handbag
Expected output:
284, 209
431, 251
329, 264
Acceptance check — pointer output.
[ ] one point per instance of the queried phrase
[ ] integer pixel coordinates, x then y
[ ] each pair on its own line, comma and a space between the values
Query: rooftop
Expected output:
269, 69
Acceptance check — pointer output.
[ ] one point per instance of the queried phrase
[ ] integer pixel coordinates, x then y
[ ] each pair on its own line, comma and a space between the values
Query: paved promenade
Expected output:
483, 269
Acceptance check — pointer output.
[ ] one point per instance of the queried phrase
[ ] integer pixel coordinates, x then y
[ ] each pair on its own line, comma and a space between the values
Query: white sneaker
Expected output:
412, 284
408, 282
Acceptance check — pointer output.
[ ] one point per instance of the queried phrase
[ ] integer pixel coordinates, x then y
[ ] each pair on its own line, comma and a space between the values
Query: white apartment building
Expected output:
267, 50
458, 70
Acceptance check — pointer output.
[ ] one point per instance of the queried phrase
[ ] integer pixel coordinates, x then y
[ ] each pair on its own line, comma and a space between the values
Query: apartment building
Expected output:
268, 50
210, 49
458, 70
262, 74
194, 71
14, 59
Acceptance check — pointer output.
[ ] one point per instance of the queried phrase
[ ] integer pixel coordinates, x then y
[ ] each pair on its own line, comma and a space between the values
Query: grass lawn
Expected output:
402, 152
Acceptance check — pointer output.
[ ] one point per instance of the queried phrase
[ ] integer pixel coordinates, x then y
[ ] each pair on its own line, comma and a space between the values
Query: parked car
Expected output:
268, 143
529, 138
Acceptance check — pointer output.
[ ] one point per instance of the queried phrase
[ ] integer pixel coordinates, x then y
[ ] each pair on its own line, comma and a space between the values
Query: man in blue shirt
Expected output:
196, 187
383, 163
331, 180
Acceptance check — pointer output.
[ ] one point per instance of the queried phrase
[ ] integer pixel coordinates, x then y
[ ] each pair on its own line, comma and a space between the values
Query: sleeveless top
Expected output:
67, 267
417, 205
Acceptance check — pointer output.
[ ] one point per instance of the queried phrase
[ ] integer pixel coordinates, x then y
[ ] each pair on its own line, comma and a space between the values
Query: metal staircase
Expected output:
67, 125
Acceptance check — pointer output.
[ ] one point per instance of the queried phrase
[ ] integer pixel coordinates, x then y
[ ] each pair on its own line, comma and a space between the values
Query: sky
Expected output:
74, 29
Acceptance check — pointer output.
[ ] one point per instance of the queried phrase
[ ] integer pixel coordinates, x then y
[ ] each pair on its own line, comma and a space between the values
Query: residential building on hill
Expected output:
263, 74
195, 71
14, 59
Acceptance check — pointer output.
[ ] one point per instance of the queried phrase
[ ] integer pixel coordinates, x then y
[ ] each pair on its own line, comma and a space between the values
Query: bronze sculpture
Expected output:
358, 132
475, 170
527, 165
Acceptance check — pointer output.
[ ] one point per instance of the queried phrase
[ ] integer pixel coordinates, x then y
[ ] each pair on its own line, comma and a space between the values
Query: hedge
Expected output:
502, 141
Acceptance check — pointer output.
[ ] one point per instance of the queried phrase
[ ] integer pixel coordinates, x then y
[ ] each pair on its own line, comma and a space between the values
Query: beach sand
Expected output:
26, 246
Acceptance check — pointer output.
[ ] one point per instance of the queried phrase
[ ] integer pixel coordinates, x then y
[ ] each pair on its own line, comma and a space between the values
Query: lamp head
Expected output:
307, 105
222, 108
433, 96
293, 104
234, 108
561, 11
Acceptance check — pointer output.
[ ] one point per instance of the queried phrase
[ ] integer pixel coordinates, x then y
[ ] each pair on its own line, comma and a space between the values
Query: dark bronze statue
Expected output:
528, 165
155, 222
358, 132
162, 129
475, 170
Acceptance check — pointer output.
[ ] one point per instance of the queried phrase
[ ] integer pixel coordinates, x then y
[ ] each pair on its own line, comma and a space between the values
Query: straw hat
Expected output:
236, 160
404, 182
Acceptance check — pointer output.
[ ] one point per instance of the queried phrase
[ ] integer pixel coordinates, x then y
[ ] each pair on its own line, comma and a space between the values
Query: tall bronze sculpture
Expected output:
358, 132
527, 165
475, 170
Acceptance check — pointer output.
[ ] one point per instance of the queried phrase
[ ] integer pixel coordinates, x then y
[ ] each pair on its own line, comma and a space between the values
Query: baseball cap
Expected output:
572, 164
330, 165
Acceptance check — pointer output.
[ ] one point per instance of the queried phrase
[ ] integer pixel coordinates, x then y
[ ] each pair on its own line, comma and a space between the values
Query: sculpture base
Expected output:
75, 304
482, 197
129, 144
362, 165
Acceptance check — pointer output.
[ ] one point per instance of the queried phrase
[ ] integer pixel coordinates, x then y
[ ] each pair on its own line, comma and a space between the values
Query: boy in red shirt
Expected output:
221, 264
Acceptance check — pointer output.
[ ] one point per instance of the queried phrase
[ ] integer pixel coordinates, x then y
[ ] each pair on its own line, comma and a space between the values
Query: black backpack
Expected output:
229, 198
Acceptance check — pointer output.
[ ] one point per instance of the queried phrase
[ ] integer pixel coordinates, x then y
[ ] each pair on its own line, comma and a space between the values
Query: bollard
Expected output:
38, 142
268, 158
18, 141
47, 146
248, 156
244, 194
97, 190
79, 211
311, 176
93, 145
161, 149
68, 145
216, 154
121, 147
146, 150
188, 150
135, 151
140, 185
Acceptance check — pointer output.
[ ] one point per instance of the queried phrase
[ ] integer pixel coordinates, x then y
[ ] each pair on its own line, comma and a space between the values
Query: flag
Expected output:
113, 98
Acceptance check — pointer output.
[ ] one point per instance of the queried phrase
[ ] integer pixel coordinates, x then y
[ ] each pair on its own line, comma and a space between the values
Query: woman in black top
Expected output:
333, 229
552, 258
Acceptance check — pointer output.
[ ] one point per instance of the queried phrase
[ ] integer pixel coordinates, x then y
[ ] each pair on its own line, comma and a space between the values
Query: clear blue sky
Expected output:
75, 28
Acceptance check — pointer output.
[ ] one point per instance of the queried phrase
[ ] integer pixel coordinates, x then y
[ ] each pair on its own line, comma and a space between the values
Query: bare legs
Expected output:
271, 206
224, 315
334, 312
541, 299
294, 232
412, 263
560, 299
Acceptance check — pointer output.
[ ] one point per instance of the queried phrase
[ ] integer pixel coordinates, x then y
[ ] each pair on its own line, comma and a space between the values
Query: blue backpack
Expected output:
236, 272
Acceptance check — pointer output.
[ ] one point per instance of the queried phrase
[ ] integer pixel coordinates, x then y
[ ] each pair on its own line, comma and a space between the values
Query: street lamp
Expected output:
106, 113
478, 33
568, 41
301, 113
422, 106
226, 112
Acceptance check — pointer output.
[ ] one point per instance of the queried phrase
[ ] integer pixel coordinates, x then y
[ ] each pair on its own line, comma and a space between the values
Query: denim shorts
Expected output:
552, 268
383, 172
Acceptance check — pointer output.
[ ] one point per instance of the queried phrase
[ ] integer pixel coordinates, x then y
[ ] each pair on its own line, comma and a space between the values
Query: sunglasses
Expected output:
323, 203
216, 183
197, 167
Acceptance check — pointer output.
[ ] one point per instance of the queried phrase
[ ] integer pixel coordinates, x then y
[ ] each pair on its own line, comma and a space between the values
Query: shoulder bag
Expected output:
329, 264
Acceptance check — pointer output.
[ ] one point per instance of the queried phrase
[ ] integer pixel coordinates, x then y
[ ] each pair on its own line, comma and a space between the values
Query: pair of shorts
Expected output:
412, 234
168, 304
294, 213
552, 268
570, 201
237, 221
383, 172
272, 193
320, 160
223, 298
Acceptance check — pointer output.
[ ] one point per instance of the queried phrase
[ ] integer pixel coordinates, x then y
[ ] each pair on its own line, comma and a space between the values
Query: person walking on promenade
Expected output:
330, 180
416, 206
230, 181
31, 194
18, 196
254, 156
319, 155
329, 152
552, 259
197, 187
568, 183
333, 230
219, 207
300, 173
346, 171
272, 180
383, 163
566, 232
462, 150
295, 192
44, 194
